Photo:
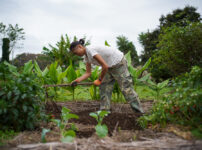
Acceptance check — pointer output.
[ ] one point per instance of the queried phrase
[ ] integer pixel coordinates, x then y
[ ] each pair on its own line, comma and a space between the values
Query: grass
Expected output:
82, 94
6, 135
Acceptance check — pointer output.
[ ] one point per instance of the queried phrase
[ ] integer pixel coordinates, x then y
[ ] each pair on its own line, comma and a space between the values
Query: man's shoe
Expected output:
136, 107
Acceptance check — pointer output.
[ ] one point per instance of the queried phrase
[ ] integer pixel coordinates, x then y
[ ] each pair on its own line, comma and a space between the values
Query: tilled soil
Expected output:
124, 132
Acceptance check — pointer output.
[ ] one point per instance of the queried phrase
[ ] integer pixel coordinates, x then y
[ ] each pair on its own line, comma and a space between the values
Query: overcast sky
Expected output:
44, 21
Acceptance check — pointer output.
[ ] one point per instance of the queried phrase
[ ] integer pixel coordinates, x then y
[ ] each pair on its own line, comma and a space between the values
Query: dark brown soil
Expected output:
121, 117
124, 132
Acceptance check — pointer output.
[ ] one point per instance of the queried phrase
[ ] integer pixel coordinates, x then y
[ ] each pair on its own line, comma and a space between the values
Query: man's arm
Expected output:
85, 75
104, 65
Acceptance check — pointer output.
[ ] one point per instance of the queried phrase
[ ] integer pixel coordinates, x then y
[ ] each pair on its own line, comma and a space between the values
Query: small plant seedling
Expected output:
66, 135
43, 135
101, 129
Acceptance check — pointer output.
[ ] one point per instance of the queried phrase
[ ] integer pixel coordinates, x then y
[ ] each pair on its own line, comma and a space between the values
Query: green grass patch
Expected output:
82, 94
6, 135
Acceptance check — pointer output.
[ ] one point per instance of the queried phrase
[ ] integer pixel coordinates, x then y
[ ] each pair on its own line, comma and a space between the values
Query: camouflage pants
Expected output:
120, 74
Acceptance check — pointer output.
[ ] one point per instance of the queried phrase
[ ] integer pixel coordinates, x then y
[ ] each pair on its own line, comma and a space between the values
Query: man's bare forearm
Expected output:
83, 77
104, 71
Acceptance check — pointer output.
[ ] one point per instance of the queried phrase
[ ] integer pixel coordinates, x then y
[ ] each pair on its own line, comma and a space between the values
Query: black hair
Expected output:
75, 43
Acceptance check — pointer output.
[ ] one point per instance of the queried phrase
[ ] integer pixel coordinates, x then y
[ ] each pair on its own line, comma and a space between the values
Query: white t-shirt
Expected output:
111, 56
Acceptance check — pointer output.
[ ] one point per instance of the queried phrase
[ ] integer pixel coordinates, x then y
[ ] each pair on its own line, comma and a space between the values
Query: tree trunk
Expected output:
5, 49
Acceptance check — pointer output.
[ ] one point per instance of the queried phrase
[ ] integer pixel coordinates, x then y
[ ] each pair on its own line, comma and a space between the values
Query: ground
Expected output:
124, 132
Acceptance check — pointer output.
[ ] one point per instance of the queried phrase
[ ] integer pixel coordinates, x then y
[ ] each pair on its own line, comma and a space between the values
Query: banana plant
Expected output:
28, 67
41, 74
136, 72
53, 75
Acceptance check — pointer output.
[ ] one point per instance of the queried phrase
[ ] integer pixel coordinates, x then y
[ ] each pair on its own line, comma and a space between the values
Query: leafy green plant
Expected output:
94, 93
183, 106
136, 73
21, 97
6, 135
66, 135
93, 89
61, 51
71, 76
101, 129
43, 135
116, 93
157, 87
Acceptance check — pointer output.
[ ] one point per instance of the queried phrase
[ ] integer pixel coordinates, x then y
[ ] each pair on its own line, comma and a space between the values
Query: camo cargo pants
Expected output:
120, 74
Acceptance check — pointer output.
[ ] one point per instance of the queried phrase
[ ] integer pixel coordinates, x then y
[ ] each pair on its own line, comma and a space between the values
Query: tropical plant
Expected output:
66, 135
93, 90
157, 87
136, 73
61, 52
101, 129
71, 76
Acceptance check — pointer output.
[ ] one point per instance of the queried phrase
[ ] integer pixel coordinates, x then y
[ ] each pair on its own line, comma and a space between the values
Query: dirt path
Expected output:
124, 132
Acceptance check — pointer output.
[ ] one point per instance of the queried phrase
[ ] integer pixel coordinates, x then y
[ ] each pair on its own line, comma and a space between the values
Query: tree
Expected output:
149, 40
5, 50
179, 17
61, 52
125, 46
180, 48
13, 34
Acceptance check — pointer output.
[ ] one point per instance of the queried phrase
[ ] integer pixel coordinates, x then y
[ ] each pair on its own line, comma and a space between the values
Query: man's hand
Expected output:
74, 83
97, 82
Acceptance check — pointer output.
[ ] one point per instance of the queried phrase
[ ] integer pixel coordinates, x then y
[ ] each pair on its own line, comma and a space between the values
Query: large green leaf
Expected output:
53, 72
69, 133
145, 78
103, 113
146, 65
94, 74
162, 84
28, 67
43, 135
94, 115
101, 130
37, 69
45, 72
68, 116
128, 58
67, 139
61, 76
65, 110
12, 68
107, 44
71, 74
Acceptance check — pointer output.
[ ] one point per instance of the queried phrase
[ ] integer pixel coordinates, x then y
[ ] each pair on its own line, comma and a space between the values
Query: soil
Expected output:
124, 132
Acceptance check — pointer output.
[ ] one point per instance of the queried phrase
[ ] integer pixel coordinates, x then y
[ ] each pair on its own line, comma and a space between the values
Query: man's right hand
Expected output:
74, 83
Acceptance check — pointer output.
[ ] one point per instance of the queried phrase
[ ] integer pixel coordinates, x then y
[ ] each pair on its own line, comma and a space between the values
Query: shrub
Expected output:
183, 106
20, 98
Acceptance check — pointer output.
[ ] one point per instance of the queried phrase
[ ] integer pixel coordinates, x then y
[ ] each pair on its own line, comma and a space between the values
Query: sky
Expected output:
44, 21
